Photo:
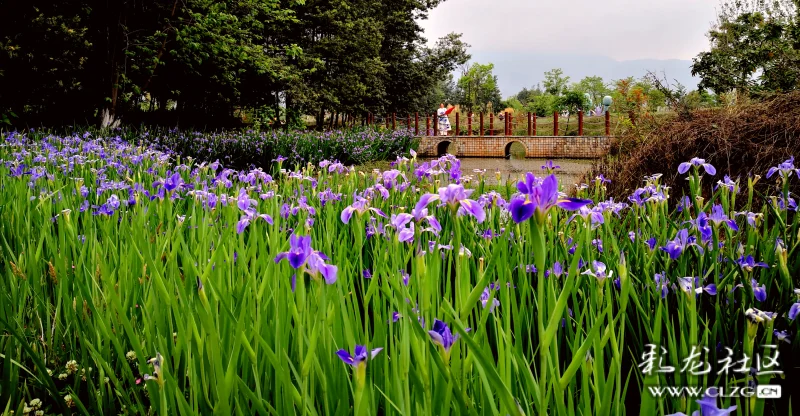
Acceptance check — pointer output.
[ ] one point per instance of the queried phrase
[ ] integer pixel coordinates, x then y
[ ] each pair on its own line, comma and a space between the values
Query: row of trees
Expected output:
556, 93
755, 48
476, 90
71, 61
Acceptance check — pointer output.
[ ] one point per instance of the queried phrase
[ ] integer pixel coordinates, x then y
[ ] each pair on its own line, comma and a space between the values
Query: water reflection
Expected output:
570, 172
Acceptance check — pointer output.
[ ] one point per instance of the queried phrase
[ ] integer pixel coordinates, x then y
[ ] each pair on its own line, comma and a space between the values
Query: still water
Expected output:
571, 171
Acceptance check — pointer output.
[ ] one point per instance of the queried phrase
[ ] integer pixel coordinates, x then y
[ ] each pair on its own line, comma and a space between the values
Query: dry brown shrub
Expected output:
739, 141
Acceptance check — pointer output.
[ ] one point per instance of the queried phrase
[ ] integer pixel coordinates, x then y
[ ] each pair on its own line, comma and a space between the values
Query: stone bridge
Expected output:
548, 147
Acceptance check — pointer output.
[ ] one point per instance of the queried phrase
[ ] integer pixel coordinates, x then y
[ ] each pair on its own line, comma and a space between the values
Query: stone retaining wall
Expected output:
580, 147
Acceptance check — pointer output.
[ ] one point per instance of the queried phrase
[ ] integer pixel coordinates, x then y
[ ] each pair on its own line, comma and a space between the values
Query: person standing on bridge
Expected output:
443, 120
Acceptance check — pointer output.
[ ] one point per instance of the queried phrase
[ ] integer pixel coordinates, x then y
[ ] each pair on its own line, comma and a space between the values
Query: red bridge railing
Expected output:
532, 125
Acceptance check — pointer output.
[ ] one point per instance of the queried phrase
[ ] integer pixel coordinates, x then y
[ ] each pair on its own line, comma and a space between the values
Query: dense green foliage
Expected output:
755, 47
477, 89
138, 283
212, 62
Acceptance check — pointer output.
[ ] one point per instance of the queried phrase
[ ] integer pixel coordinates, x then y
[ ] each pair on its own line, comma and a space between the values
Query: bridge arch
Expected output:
520, 151
443, 146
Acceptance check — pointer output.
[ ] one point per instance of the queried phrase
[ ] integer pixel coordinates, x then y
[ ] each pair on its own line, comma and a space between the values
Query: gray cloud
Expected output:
619, 29
582, 31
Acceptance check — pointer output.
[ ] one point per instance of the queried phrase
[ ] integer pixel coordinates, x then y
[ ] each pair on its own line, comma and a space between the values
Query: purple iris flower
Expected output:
299, 250
301, 254
454, 195
390, 178
595, 214
678, 245
708, 407
405, 228
598, 244
113, 202
395, 317
718, 217
249, 215
421, 214
173, 182
684, 203
399, 221
697, 162
729, 184
752, 218
540, 197
782, 336
760, 292
485, 296
652, 242
758, 316
367, 274
787, 204
243, 201
602, 179
111, 206
598, 271
361, 206
549, 166
793, 311
649, 193
405, 277
686, 284
359, 357
557, 269
785, 169
18, 170
406, 234
748, 263
442, 336
661, 280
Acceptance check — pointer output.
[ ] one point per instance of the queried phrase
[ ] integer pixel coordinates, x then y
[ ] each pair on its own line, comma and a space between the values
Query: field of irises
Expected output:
136, 281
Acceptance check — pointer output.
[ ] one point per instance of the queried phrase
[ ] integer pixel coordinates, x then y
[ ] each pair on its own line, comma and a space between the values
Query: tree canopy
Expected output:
755, 47
68, 61
478, 90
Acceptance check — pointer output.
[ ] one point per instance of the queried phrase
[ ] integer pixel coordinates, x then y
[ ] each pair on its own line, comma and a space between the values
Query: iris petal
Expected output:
521, 209
573, 204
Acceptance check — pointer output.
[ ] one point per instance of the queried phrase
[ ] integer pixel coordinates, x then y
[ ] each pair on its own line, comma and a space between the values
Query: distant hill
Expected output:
516, 70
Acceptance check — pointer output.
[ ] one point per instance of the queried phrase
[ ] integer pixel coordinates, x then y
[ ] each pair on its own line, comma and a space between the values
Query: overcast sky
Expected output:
581, 36
619, 29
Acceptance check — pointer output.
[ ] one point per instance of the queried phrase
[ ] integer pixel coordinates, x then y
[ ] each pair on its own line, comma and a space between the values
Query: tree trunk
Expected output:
289, 112
320, 119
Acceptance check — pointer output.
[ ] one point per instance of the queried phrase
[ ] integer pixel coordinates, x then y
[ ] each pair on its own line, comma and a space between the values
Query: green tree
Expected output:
755, 46
478, 90
543, 105
72, 60
572, 102
555, 82
443, 92
209, 61
594, 86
